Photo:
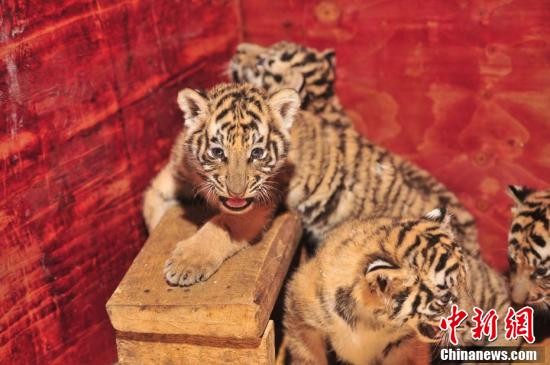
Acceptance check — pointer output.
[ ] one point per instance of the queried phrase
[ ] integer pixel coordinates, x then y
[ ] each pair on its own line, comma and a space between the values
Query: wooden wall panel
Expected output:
88, 113
460, 87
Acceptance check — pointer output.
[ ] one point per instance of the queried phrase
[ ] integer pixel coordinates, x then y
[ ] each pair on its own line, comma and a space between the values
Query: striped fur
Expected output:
342, 175
339, 175
326, 172
385, 282
290, 65
252, 143
529, 247
234, 144
235, 148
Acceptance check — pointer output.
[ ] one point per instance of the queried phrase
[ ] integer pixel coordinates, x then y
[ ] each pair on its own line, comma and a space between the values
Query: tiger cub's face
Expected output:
236, 138
286, 65
416, 284
529, 247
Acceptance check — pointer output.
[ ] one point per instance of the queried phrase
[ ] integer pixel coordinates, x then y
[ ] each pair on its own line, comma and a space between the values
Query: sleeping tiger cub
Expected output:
246, 151
377, 288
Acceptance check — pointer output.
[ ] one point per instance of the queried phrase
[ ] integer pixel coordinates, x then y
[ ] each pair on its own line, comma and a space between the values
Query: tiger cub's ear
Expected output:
380, 274
330, 56
286, 103
296, 81
436, 215
250, 48
440, 215
193, 105
519, 193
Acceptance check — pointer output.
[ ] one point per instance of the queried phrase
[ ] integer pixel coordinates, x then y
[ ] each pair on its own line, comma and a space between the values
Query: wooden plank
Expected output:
235, 302
140, 352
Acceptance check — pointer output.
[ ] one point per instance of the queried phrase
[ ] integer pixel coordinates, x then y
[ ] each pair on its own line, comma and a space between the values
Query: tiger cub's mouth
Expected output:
236, 204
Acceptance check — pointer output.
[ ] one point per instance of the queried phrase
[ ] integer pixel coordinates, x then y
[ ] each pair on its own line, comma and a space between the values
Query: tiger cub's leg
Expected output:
409, 352
306, 345
199, 256
161, 194
305, 342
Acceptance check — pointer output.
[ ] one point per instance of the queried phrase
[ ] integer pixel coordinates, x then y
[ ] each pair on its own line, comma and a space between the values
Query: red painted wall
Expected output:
87, 92
88, 113
462, 88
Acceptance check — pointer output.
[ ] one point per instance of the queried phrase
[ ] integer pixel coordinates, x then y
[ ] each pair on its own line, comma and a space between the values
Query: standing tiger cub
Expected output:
377, 289
246, 151
529, 247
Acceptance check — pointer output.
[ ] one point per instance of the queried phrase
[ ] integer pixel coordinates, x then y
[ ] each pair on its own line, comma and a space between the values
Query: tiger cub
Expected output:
377, 289
246, 152
312, 74
231, 152
290, 65
529, 247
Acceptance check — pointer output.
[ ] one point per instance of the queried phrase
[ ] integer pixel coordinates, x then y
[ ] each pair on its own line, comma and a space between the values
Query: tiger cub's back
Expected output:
338, 175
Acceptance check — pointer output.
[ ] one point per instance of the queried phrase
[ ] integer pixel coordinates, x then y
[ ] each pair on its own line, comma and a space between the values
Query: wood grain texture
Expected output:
88, 113
135, 352
235, 302
459, 87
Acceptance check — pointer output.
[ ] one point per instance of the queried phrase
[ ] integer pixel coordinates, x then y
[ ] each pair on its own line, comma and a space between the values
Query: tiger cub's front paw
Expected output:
190, 263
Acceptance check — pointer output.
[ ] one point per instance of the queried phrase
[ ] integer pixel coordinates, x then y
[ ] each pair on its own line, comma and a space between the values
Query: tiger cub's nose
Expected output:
236, 194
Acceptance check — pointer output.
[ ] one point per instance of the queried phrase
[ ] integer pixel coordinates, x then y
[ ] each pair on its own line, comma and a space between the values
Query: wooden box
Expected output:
222, 320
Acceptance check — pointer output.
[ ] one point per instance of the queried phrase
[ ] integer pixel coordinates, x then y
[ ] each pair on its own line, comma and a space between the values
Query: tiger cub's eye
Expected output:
257, 153
217, 152
447, 298
540, 272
